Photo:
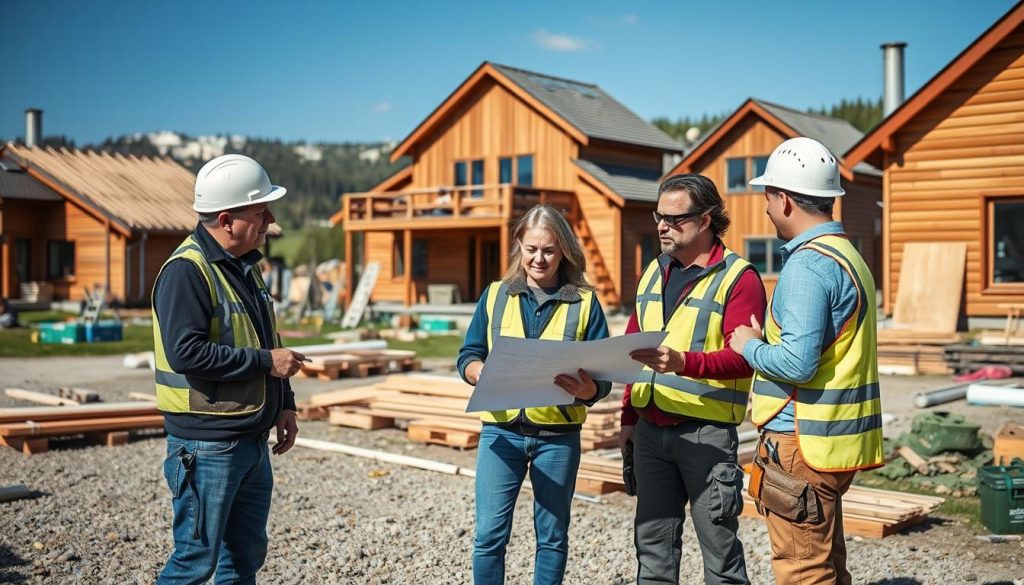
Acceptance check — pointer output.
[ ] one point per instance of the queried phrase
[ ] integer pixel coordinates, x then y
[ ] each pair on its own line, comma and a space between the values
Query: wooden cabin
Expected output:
83, 220
737, 150
503, 141
953, 162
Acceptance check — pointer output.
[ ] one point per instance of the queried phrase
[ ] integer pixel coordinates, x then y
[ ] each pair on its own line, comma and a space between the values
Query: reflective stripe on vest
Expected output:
838, 411
695, 325
230, 325
568, 322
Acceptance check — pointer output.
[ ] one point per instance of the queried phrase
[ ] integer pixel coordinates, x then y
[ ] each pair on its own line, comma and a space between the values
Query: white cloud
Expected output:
382, 107
560, 43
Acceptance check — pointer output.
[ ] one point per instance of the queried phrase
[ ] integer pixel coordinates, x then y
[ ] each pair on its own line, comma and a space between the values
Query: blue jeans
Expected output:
221, 499
502, 462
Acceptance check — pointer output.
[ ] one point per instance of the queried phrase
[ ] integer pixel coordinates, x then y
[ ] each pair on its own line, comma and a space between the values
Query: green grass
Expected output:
288, 245
966, 509
18, 343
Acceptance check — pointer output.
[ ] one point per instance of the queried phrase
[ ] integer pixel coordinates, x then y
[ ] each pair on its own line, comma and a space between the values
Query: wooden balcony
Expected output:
470, 206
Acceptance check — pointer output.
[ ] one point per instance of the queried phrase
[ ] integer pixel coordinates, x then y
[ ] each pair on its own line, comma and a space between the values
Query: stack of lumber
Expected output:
926, 309
599, 475
359, 363
36, 292
29, 429
874, 513
963, 358
433, 410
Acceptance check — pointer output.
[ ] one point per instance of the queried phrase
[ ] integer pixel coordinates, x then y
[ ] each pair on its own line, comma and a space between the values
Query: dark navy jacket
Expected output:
181, 299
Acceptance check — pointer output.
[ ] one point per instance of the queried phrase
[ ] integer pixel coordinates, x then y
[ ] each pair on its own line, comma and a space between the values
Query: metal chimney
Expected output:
33, 127
892, 82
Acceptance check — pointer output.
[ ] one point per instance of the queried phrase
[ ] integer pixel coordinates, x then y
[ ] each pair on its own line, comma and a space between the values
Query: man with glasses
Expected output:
679, 418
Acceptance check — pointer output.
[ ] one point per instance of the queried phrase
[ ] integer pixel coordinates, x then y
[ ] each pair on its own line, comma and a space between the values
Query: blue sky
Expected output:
343, 70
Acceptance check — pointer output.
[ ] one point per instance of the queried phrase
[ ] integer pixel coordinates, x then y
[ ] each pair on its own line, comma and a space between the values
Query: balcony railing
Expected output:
498, 202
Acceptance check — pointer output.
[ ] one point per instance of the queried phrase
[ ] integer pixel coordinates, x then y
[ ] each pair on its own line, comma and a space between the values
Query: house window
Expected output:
520, 167
739, 172
419, 258
60, 259
650, 247
758, 164
1006, 243
505, 170
736, 175
764, 254
398, 256
470, 173
460, 174
23, 260
478, 177
524, 170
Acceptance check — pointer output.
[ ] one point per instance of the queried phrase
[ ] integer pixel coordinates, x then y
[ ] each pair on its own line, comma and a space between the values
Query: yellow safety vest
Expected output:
694, 325
838, 411
229, 325
567, 323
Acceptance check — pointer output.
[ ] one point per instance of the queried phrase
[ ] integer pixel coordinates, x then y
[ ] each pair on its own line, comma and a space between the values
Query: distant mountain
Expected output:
316, 174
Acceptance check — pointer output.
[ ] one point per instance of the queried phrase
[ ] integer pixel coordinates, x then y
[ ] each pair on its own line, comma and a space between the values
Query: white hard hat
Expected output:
804, 166
233, 180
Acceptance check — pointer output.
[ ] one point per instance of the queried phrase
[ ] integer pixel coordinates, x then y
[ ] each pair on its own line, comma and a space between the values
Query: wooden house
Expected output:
953, 162
503, 141
83, 220
737, 150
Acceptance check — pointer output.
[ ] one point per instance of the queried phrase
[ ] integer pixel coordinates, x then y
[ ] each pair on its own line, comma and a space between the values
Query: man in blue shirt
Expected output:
815, 396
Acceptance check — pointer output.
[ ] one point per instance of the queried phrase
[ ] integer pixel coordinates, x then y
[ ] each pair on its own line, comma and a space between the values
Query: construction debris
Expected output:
1008, 443
79, 395
940, 396
30, 429
17, 491
993, 395
359, 363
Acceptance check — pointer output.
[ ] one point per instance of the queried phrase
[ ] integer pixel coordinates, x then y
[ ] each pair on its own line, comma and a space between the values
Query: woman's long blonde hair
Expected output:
573, 265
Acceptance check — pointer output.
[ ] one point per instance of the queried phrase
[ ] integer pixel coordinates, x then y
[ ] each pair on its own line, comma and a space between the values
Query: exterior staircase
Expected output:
597, 271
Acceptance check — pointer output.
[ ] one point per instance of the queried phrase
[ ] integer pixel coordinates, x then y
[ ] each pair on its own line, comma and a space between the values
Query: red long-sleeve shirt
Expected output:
747, 298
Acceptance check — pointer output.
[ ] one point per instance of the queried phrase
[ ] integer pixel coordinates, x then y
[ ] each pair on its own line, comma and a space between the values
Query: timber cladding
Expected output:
950, 161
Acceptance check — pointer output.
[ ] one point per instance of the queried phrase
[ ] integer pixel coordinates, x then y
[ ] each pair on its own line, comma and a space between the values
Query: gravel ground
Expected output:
102, 515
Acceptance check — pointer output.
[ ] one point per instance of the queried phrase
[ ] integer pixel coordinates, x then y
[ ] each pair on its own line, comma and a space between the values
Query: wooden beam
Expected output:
348, 267
40, 397
407, 281
73, 427
48, 413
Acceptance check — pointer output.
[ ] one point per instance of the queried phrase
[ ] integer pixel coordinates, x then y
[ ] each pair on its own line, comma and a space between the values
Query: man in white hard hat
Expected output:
221, 378
815, 396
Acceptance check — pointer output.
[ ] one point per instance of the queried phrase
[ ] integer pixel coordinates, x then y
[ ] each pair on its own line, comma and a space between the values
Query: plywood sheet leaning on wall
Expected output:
930, 287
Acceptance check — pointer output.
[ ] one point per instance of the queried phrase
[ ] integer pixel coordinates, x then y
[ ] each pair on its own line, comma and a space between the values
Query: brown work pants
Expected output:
803, 554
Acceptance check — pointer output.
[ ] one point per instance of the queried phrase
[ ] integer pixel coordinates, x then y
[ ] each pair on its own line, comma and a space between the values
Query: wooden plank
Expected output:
108, 438
596, 487
926, 303
40, 397
73, 427
47, 413
344, 396
357, 419
142, 396
26, 445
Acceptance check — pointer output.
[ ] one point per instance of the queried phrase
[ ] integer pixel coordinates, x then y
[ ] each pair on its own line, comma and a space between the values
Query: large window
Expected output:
739, 172
1006, 240
764, 254
519, 168
469, 172
419, 258
60, 259
397, 256
23, 260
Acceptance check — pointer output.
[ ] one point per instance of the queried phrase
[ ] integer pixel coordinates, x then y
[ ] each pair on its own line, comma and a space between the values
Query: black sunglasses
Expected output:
675, 219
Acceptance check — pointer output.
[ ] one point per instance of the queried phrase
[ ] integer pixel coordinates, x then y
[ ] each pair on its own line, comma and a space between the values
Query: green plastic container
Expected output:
436, 324
69, 332
1001, 489
936, 432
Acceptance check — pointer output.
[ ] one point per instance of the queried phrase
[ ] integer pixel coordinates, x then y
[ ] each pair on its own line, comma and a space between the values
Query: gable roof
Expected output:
837, 135
880, 138
15, 183
628, 183
582, 110
133, 193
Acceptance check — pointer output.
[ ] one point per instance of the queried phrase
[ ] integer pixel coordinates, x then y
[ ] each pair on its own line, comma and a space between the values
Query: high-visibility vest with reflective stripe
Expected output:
230, 325
568, 322
694, 325
838, 411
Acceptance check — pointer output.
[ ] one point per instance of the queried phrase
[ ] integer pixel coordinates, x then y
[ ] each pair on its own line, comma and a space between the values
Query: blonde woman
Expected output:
542, 296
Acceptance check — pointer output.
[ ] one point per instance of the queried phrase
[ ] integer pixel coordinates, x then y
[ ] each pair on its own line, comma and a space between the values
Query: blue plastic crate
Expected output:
104, 331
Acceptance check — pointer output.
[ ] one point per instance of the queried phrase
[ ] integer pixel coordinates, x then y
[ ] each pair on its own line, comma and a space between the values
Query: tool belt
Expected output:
782, 493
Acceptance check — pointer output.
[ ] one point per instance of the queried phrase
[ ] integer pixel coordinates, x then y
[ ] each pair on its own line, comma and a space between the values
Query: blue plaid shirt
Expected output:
812, 300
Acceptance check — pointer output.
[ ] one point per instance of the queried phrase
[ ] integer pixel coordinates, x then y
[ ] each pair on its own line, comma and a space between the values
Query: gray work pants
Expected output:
691, 462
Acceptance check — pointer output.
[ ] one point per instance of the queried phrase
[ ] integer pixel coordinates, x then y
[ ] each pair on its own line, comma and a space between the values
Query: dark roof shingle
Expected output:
590, 109
17, 184
630, 183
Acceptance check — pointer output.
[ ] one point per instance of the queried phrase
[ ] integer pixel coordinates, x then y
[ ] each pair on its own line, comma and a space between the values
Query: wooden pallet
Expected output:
32, 437
358, 419
360, 364
429, 433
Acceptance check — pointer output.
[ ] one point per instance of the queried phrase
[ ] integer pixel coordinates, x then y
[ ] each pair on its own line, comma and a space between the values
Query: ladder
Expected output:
361, 297
93, 305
